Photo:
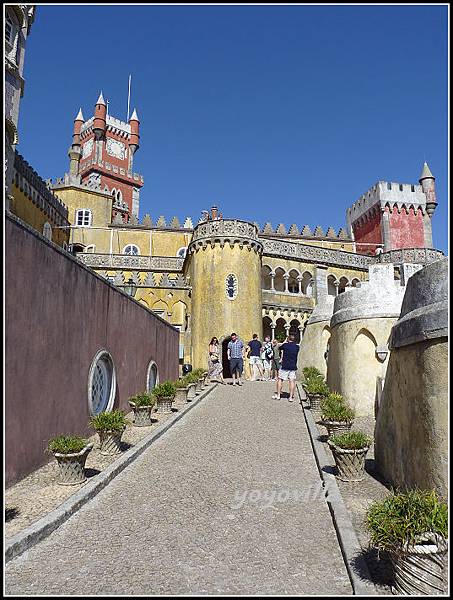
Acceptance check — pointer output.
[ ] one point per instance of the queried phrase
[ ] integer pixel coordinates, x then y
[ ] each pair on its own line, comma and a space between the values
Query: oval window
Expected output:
101, 383
231, 286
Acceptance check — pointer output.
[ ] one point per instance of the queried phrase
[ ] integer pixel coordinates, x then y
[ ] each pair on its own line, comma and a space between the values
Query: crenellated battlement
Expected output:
304, 232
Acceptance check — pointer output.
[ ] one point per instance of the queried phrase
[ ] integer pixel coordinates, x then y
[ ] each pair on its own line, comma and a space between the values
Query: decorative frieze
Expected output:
224, 231
422, 256
131, 263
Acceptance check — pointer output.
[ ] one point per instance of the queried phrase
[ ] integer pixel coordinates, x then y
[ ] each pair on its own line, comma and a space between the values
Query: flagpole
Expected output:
128, 99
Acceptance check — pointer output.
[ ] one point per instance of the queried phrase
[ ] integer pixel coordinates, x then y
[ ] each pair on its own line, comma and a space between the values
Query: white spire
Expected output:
134, 116
79, 116
101, 99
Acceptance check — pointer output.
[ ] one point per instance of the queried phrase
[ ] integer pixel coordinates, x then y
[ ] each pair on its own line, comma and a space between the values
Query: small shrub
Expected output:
180, 383
191, 378
166, 389
400, 518
66, 444
335, 408
353, 440
143, 399
318, 386
108, 421
311, 373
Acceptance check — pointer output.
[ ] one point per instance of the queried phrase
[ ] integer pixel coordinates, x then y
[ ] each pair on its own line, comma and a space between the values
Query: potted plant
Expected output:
164, 393
70, 452
191, 382
413, 528
349, 451
182, 388
142, 405
336, 415
110, 427
316, 390
310, 373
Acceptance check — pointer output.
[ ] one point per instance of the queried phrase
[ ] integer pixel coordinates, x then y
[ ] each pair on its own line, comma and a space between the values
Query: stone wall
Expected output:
360, 329
59, 314
313, 347
411, 445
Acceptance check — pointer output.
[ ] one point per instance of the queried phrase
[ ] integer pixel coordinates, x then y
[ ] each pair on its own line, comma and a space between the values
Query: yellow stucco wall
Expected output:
77, 198
213, 313
25, 209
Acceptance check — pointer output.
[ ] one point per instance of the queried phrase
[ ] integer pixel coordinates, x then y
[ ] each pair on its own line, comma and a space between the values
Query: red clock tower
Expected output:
102, 155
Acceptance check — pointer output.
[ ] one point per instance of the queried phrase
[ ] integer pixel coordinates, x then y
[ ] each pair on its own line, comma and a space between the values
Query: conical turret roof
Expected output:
79, 116
101, 99
134, 116
426, 172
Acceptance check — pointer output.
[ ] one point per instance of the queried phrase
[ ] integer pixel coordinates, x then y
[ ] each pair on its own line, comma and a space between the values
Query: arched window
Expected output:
119, 196
47, 231
10, 30
131, 249
182, 252
91, 248
152, 376
231, 287
83, 217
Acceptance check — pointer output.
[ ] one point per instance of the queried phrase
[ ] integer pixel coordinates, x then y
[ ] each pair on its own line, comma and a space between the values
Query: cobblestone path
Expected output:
227, 502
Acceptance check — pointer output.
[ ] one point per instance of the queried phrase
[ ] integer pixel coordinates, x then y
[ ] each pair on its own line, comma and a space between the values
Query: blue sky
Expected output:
274, 113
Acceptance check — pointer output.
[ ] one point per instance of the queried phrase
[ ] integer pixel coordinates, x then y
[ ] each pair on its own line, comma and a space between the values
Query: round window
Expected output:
101, 383
153, 376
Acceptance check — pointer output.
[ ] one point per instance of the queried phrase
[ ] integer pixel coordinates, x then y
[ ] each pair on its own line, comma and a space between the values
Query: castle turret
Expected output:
134, 122
427, 181
100, 116
226, 266
75, 151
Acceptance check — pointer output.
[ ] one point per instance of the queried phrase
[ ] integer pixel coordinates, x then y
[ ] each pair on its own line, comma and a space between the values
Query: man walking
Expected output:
288, 351
254, 357
235, 352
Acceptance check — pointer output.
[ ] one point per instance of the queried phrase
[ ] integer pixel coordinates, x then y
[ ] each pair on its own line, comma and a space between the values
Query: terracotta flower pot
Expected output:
350, 463
71, 467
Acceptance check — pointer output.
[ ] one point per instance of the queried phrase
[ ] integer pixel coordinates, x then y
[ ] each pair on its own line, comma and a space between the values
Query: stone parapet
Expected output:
139, 263
420, 256
225, 231
424, 311
380, 297
322, 311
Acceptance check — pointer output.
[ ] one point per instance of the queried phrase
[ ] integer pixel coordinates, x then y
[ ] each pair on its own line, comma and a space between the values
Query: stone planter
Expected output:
164, 404
110, 442
350, 463
199, 385
71, 467
142, 415
420, 568
191, 392
336, 427
315, 401
181, 394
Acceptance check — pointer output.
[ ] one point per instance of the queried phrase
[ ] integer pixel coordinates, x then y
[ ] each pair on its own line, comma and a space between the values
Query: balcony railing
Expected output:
127, 262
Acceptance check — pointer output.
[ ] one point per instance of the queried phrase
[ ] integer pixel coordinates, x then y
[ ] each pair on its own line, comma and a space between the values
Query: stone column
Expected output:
337, 285
385, 230
427, 229
272, 276
286, 278
320, 282
272, 332
299, 281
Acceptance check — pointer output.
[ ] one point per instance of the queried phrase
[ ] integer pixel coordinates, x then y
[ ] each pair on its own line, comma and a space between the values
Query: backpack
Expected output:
268, 351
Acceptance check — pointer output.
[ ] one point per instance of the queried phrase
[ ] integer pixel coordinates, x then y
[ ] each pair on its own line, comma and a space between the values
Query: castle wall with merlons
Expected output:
213, 313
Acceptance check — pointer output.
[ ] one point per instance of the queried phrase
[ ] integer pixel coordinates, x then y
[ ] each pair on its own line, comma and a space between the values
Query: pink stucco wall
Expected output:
58, 315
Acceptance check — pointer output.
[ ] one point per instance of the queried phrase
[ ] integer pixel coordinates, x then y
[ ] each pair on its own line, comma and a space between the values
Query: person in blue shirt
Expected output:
235, 352
254, 357
288, 352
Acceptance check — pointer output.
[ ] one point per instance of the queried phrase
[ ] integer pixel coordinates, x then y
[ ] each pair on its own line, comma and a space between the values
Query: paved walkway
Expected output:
227, 502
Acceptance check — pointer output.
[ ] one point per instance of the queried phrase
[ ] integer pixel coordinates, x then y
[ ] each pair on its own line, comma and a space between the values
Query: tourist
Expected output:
254, 347
215, 369
247, 374
266, 357
235, 354
275, 364
288, 351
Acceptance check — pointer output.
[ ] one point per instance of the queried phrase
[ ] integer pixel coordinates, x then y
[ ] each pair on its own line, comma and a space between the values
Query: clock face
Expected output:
87, 148
115, 148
